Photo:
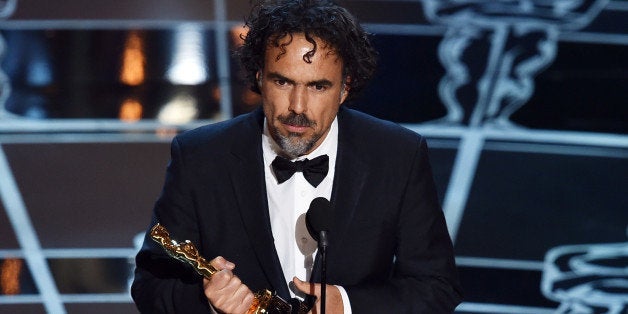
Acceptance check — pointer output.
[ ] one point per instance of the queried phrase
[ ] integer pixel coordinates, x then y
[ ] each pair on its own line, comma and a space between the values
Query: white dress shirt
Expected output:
288, 202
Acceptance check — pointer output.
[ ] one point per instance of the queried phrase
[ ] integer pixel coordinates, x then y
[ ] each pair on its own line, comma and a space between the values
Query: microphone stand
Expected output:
323, 247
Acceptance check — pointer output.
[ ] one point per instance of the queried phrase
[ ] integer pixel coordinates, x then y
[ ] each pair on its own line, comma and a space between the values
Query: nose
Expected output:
298, 100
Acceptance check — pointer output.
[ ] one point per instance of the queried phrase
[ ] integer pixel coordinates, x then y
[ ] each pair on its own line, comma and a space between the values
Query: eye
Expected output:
320, 87
281, 82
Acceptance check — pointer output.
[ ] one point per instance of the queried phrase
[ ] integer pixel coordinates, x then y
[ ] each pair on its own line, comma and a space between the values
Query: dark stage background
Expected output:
524, 104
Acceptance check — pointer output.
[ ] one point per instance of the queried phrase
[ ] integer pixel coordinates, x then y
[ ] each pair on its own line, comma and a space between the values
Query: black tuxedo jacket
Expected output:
389, 246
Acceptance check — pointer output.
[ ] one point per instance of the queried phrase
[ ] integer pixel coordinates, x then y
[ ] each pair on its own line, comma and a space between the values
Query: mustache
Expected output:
296, 119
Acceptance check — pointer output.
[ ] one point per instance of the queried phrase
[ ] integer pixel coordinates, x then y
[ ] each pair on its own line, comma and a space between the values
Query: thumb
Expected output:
221, 263
306, 287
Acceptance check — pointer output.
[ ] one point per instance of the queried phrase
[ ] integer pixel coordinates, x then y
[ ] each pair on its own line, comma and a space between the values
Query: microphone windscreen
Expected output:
318, 217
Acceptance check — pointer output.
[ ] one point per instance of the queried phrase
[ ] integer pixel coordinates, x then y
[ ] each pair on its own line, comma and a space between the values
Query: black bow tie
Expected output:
313, 170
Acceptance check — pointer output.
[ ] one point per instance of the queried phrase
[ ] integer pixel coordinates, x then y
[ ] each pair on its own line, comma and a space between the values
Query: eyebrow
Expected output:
277, 76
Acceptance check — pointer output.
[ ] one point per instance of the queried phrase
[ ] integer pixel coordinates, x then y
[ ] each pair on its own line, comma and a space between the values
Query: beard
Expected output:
295, 144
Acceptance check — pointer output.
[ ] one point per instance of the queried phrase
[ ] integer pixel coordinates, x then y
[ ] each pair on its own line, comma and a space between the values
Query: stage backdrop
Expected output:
524, 104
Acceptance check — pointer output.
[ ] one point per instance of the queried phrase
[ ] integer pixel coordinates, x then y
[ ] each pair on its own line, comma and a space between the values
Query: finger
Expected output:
219, 280
233, 284
235, 297
221, 263
245, 297
307, 287
220, 290
247, 303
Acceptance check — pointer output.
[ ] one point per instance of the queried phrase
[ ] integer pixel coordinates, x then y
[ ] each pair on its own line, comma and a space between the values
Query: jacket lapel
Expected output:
349, 181
247, 175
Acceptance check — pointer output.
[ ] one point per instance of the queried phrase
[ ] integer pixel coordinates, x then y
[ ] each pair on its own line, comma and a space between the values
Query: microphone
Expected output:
317, 221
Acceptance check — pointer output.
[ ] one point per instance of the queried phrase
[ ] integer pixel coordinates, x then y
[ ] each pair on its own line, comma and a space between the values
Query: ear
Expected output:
345, 90
258, 78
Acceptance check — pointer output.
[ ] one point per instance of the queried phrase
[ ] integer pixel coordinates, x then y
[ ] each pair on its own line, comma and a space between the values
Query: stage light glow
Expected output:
131, 110
181, 109
10, 271
188, 65
133, 60
39, 72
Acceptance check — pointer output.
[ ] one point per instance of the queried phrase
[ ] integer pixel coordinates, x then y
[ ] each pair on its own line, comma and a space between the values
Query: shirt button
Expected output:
303, 193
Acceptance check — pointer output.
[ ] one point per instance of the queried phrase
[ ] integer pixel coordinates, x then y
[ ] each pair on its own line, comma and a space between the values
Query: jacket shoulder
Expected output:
222, 133
376, 131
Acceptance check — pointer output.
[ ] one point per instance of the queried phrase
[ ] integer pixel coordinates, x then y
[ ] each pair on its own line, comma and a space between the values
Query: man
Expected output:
225, 190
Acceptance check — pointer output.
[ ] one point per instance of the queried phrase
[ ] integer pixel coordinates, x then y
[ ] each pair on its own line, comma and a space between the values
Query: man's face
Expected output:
301, 99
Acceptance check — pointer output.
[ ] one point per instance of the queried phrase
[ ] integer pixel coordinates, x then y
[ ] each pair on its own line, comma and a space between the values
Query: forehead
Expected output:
295, 50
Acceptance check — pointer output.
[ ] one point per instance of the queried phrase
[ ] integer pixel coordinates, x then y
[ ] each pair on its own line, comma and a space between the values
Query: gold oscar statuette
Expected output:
265, 302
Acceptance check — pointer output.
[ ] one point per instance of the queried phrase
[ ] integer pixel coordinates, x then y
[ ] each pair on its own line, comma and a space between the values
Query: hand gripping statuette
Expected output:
265, 301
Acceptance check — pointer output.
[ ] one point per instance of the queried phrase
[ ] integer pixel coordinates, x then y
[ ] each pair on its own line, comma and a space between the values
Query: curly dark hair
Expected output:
272, 20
